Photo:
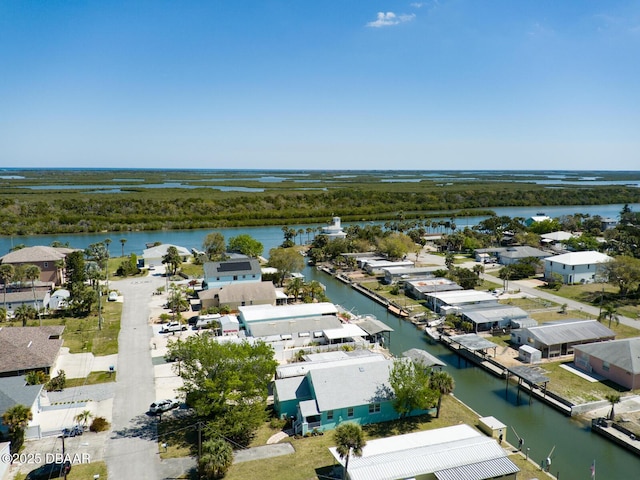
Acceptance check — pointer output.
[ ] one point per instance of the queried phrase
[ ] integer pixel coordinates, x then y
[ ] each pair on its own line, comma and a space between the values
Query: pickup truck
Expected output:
172, 327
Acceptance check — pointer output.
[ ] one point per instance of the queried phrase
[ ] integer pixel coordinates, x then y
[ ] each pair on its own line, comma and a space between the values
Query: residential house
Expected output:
377, 267
555, 240
538, 217
152, 256
420, 288
23, 349
576, 267
456, 452
487, 317
403, 274
449, 302
25, 296
608, 223
327, 397
508, 255
237, 270
617, 360
50, 260
236, 295
15, 391
560, 337
59, 299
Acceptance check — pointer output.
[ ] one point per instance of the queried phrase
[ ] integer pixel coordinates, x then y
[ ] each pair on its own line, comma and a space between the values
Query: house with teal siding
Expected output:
324, 398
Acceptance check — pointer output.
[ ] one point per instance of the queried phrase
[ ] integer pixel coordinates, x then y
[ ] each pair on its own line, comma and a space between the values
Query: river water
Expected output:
541, 427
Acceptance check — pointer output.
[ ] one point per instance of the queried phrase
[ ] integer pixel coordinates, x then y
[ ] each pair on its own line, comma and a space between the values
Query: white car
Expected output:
113, 296
173, 327
162, 406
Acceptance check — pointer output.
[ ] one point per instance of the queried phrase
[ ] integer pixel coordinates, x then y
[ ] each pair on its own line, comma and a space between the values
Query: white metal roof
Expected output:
348, 330
302, 368
463, 296
265, 313
579, 258
420, 453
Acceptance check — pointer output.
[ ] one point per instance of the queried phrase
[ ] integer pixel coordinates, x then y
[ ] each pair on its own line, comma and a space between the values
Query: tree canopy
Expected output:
245, 244
286, 260
411, 387
214, 246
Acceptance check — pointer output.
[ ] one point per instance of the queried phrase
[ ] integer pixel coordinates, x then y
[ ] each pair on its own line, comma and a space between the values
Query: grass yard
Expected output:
92, 379
598, 294
312, 459
399, 299
574, 387
529, 303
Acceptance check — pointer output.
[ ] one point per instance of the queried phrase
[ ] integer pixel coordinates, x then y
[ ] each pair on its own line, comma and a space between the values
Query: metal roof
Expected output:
479, 471
531, 375
422, 453
265, 313
493, 313
347, 330
473, 342
579, 258
463, 296
351, 385
293, 326
568, 331
418, 355
372, 325
302, 368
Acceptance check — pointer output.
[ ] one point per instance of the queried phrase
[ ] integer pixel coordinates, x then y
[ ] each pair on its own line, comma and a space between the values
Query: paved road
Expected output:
131, 451
547, 295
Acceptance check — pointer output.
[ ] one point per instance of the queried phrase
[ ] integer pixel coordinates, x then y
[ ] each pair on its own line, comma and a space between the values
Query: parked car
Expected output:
173, 327
49, 470
73, 431
162, 406
113, 296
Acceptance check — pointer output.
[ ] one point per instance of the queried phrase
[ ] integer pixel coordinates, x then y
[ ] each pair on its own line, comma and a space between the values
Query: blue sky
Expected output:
301, 84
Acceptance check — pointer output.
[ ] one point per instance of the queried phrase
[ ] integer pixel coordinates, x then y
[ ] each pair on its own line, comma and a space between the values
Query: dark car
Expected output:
73, 431
49, 470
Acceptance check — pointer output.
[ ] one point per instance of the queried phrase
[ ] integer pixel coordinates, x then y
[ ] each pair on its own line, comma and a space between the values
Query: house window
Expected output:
350, 412
573, 267
235, 277
244, 276
46, 264
564, 267
374, 408
605, 366
218, 279
330, 415
253, 276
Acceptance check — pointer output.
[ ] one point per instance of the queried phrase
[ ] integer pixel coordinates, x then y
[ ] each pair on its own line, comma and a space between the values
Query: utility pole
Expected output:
64, 468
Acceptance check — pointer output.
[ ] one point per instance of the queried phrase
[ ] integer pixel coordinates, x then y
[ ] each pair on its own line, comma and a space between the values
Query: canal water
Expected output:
541, 427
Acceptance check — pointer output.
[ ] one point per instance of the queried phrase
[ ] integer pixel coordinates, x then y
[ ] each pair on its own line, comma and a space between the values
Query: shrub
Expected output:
99, 424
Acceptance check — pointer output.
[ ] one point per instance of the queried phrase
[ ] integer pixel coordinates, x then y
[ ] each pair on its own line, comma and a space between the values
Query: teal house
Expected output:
325, 397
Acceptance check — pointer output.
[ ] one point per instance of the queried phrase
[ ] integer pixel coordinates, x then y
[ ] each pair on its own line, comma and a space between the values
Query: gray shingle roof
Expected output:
36, 254
624, 354
28, 348
15, 391
237, 266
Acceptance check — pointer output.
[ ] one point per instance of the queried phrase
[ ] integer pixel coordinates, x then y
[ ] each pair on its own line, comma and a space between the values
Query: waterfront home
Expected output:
152, 256
538, 217
327, 397
24, 349
555, 240
448, 302
377, 267
617, 360
449, 453
403, 274
50, 261
508, 255
59, 299
236, 270
239, 294
487, 317
558, 338
420, 288
576, 267
38, 298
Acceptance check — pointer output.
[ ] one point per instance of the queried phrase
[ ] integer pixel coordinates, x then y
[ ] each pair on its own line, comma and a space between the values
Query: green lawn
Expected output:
92, 379
312, 459
575, 388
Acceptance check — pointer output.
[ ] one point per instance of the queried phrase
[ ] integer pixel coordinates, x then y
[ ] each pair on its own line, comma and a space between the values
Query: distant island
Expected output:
50, 201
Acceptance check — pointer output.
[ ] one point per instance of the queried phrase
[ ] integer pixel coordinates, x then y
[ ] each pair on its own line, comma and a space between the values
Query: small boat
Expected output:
436, 322
432, 333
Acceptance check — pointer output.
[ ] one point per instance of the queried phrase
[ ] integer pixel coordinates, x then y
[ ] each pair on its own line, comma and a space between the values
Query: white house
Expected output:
576, 267
334, 230
153, 256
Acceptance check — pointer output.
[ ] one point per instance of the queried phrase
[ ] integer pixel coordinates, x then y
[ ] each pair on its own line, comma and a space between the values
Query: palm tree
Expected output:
32, 272
122, 242
612, 398
294, 287
313, 290
350, 440
609, 311
16, 419
216, 458
83, 417
6, 275
444, 384
24, 313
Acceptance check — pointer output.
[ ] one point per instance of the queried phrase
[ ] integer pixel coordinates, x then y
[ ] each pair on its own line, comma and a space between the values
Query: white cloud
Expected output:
417, 4
387, 19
